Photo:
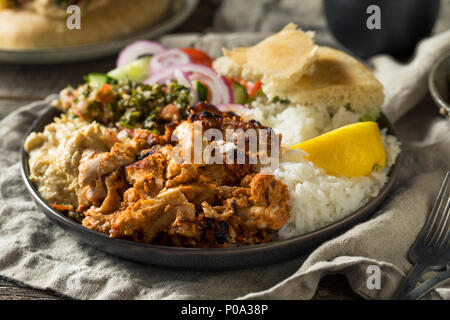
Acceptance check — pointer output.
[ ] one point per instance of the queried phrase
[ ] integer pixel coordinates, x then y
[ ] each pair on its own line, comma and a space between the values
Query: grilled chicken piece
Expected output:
91, 194
252, 210
235, 138
262, 205
94, 166
180, 173
121, 154
211, 118
147, 175
147, 218
95, 220
240, 214
115, 185
200, 192
270, 202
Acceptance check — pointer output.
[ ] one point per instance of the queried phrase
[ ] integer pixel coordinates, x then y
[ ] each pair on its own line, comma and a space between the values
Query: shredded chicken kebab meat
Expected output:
138, 191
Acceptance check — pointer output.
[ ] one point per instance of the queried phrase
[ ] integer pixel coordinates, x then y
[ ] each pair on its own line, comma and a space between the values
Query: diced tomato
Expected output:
252, 88
106, 88
61, 207
105, 94
198, 56
242, 82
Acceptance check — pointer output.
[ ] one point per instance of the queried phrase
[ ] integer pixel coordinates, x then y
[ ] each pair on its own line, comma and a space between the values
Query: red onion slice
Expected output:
238, 109
172, 57
138, 49
230, 90
220, 90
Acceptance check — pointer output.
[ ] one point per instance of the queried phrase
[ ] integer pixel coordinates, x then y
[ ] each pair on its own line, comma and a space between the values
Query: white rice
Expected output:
318, 199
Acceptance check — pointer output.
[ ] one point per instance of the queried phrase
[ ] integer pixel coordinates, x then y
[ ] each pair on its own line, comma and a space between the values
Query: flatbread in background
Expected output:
285, 55
28, 29
51, 8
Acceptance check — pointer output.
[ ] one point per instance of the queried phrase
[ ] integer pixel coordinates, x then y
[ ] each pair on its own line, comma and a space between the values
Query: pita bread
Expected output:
336, 79
27, 29
324, 76
285, 55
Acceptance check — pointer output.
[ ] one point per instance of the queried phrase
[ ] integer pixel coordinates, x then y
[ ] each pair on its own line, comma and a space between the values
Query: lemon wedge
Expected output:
353, 150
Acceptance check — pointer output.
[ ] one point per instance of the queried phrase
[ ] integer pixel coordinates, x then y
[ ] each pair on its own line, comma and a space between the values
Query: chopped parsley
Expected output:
279, 100
124, 103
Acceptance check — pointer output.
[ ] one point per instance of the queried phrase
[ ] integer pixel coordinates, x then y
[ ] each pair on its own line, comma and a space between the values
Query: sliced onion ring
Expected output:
230, 90
219, 88
138, 49
164, 59
238, 109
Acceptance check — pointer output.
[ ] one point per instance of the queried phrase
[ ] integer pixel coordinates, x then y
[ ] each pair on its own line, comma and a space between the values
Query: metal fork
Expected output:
431, 250
429, 285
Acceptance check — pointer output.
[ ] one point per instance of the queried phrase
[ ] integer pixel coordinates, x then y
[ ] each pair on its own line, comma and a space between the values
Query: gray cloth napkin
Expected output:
38, 253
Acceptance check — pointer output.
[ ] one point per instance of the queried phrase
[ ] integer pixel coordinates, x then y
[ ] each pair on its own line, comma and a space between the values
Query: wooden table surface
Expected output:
20, 85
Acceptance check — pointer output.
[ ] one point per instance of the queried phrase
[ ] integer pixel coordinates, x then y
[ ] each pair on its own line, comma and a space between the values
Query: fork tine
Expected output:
431, 226
445, 232
442, 226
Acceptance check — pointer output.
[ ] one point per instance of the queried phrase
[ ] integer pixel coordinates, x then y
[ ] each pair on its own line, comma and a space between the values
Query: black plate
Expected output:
220, 258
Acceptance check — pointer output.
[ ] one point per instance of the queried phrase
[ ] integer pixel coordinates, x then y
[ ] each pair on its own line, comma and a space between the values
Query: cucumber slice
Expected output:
136, 71
239, 93
97, 79
371, 116
202, 90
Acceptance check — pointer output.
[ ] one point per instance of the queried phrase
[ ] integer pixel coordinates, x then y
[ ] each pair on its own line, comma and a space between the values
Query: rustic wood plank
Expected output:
37, 82
10, 290
21, 293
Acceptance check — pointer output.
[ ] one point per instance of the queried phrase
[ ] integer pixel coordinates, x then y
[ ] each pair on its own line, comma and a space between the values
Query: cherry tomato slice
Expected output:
198, 56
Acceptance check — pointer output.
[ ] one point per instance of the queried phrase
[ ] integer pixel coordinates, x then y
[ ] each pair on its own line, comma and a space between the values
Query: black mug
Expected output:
401, 24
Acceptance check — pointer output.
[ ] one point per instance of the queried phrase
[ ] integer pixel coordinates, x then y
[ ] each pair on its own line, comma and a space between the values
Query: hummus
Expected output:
54, 156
